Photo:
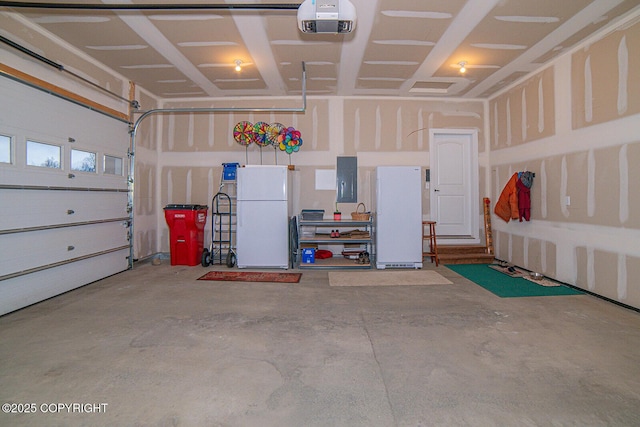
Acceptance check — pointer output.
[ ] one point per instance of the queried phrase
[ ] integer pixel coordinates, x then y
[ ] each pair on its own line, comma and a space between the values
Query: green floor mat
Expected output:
507, 287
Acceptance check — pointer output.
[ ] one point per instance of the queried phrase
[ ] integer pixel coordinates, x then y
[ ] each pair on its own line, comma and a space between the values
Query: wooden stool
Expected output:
431, 236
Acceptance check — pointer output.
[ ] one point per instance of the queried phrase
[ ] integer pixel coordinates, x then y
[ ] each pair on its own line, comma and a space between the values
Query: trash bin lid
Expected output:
185, 207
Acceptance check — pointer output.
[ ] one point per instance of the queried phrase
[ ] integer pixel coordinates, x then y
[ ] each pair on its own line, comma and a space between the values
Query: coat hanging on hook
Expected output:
523, 184
507, 205
515, 200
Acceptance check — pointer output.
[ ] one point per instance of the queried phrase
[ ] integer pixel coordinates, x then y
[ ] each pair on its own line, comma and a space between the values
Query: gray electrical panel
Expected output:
347, 180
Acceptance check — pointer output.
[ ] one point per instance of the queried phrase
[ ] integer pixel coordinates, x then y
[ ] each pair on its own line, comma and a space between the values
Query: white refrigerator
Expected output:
398, 202
263, 213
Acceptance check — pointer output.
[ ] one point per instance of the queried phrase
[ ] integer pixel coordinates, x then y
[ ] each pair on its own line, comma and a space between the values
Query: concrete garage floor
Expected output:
154, 347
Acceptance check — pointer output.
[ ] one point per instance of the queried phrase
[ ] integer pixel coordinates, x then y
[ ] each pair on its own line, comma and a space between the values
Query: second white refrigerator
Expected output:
398, 217
262, 238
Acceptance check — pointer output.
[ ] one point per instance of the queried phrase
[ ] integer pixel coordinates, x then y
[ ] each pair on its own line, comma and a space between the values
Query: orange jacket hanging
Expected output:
507, 205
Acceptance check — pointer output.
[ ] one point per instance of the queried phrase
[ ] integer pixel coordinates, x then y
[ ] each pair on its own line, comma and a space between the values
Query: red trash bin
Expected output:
186, 232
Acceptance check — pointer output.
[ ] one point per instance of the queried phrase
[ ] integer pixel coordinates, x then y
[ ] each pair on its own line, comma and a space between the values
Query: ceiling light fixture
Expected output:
463, 66
238, 63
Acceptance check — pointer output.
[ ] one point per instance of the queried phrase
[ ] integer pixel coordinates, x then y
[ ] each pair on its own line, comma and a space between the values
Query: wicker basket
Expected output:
360, 216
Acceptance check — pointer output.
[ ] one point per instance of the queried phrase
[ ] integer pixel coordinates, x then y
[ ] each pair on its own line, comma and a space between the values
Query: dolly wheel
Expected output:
206, 258
231, 259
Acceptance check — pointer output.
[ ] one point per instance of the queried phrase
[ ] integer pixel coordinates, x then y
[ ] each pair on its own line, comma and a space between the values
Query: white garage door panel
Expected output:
36, 208
39, 177
60, 228
25, 251
26, 290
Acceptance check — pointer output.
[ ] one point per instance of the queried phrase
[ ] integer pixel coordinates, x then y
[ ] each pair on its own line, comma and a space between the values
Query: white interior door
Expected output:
454, 184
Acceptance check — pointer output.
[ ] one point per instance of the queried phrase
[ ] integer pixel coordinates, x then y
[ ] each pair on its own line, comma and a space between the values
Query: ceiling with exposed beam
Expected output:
403, 48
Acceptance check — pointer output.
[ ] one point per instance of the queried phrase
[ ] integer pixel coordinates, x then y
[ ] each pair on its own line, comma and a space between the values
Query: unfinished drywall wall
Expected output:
604, 78
213, 132
585, 216
193, 146
391, 126
524, 113
379, 131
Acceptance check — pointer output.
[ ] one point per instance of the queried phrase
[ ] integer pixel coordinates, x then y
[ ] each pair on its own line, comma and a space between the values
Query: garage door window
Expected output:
83, 161
113, 165
43, 155
5, 149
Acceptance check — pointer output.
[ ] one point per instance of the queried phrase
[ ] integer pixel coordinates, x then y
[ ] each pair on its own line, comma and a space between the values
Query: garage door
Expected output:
64, 211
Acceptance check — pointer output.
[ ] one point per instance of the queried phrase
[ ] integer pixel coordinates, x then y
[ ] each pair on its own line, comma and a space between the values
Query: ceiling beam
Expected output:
354, 46
473, 12
142, 26
252, 30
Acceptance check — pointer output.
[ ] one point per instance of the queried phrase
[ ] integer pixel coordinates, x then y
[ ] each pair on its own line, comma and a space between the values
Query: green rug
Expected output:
507, 287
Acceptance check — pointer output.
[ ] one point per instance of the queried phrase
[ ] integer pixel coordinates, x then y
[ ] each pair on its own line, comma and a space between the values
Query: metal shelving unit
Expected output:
318, 232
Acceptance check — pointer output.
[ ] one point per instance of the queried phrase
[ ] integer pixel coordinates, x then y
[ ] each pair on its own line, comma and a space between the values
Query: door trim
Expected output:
474, 175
